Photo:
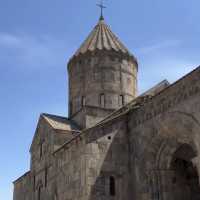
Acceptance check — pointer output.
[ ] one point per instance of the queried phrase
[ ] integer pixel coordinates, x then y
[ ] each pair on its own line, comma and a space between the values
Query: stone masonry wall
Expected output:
42, 175
84, 166
158, 129
22, 189
103, 80
134, 150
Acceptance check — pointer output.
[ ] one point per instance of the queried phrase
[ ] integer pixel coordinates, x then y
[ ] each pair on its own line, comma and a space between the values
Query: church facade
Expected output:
116, 144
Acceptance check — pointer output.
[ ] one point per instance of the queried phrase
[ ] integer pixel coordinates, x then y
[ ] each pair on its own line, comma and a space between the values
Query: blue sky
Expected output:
38, 37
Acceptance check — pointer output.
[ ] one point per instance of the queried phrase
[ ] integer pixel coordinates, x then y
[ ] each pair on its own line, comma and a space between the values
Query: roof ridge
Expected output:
54, 120
53, 115
90, 42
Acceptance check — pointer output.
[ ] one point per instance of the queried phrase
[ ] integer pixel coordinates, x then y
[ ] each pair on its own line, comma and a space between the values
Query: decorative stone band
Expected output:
182, 90
86, 58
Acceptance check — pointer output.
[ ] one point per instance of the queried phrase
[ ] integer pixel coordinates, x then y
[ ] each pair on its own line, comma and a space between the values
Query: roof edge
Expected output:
25, 174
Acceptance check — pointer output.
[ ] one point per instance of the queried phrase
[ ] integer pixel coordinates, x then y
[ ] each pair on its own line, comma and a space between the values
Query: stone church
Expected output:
116, 144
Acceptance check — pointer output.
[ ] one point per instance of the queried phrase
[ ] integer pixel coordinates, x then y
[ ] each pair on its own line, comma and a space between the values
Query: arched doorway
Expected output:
185, 180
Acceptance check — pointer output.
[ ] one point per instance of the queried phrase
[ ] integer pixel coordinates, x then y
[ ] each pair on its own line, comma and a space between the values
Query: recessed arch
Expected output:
184, 182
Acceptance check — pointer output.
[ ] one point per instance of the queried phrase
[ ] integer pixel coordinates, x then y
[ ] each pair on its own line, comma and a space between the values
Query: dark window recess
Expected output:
70, 107
112, 186
174, 180
34, 182
83, 101
41, 149
102, 100
46, 177
121, 100
39, 193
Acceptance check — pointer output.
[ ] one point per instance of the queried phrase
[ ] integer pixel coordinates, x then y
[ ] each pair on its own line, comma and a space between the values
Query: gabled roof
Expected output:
21, 177
101, 38
61, 123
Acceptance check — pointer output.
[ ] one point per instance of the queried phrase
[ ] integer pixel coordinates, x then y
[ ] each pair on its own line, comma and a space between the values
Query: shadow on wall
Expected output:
108, 164
165, 160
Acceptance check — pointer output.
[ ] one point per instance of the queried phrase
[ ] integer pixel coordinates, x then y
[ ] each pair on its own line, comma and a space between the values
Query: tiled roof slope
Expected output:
61, 123
101, 38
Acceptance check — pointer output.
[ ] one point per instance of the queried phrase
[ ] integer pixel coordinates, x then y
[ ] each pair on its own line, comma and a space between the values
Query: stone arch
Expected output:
186, 179
178, 130
163, 174
39, 187
174, 129
167, 149
182, 179
39, 184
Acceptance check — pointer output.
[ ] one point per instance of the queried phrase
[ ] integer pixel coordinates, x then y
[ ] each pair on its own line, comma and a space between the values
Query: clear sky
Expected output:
38, 37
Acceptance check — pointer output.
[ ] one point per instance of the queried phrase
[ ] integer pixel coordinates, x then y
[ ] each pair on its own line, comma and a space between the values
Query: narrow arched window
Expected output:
112, 186
121, 100
46, 177
39, 192
70, 108
102, 100
83, 101
41, 148
34, 182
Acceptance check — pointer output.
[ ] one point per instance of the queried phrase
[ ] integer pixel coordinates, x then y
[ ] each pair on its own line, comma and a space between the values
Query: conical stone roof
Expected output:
102, 38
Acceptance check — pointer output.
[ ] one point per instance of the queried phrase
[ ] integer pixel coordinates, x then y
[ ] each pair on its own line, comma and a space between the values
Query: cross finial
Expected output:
101, 6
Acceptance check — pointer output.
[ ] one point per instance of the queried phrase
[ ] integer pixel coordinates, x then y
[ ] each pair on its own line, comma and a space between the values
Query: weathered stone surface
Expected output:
148, 149
101, 80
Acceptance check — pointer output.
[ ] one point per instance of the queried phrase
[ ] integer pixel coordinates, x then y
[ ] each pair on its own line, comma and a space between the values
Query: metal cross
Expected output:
101, 6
